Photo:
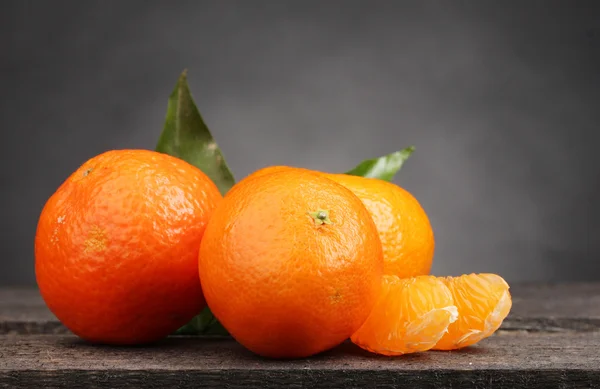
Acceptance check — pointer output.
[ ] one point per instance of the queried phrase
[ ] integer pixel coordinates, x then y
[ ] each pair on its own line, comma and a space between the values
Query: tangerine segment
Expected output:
483, 302
411, 315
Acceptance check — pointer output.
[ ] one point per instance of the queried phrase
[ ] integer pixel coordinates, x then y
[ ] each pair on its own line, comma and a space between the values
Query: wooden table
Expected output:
551, 339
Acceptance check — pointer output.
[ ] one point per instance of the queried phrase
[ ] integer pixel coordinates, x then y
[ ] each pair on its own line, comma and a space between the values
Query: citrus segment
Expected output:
411, 315
483, 302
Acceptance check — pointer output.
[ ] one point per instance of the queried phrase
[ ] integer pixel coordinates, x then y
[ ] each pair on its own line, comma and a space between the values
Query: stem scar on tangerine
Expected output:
320, 216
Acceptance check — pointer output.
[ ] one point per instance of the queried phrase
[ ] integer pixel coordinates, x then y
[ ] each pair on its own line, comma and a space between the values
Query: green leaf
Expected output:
203, 324
384, 167
186, 136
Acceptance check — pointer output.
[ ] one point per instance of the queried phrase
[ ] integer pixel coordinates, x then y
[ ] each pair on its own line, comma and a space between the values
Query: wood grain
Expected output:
550, 340
509, 360
22, 311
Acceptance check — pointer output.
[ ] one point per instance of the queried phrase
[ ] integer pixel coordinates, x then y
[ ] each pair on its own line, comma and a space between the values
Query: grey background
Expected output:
501, 99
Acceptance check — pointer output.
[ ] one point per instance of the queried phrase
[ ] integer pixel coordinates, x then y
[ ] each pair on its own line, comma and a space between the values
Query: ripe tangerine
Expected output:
116, 247
290, 263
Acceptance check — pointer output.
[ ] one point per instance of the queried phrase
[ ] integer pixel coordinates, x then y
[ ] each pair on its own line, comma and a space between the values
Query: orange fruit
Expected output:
483, 302
404, 228
273, 169
116, 247
411, 315
290, 263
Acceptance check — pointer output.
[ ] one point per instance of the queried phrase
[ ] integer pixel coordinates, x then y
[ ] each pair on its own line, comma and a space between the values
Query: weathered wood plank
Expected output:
508, 360
555, 307
315, 378
536, 307
560, 300
23, 311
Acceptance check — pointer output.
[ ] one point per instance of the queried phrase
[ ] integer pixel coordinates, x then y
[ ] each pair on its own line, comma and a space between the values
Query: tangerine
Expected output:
290, 263
404, 228
273, 169
116, 247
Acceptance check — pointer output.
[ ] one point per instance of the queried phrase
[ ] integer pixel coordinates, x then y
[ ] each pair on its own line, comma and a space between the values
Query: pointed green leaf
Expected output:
186, 136
384, 167
203, 324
